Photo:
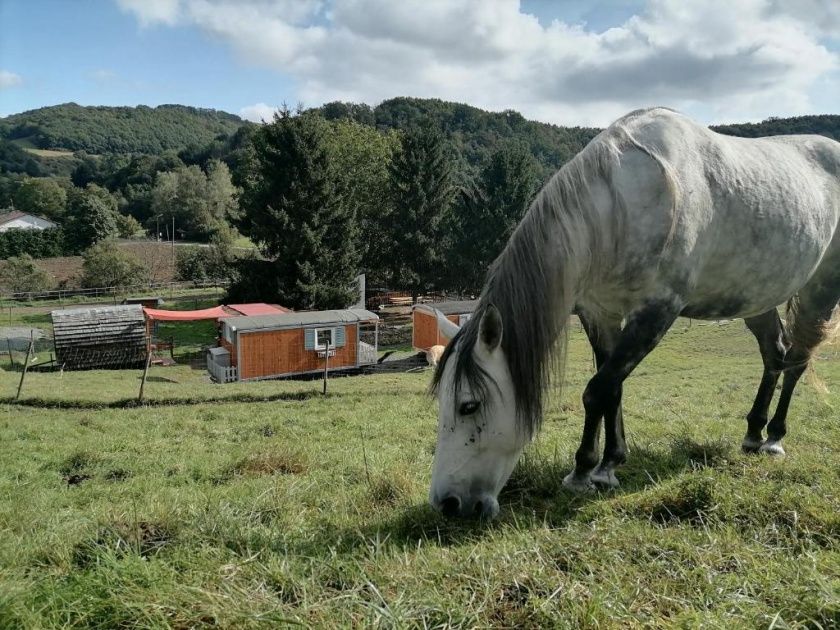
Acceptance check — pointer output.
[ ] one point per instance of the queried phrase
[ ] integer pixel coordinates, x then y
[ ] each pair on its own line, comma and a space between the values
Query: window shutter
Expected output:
339, 337
309, 339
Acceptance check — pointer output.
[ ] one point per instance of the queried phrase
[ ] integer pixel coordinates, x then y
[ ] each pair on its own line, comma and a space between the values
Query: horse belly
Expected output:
768, 271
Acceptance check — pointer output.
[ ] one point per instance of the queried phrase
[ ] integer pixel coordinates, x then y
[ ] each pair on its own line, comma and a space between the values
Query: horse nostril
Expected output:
450, 506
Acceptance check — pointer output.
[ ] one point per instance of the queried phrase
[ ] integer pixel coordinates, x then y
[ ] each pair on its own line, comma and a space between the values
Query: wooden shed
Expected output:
425, 332
100, 337
288, 344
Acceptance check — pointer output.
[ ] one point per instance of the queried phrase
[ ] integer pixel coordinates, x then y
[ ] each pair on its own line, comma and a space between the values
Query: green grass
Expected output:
265, 504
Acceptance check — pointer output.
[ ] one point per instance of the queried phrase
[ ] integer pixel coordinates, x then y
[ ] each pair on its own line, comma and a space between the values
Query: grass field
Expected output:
266, 504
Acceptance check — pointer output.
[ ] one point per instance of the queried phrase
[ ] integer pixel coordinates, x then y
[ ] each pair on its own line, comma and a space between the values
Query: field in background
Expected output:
258, 504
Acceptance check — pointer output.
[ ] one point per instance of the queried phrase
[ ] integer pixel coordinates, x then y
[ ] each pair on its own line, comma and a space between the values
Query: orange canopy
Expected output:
160, 315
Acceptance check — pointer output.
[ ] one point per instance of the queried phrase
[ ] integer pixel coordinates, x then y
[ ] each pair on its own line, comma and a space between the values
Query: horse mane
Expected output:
533, 283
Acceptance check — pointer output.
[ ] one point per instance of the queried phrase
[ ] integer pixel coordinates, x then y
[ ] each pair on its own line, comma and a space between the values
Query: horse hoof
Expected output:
751, 446
771, 447
577, 484
605, 478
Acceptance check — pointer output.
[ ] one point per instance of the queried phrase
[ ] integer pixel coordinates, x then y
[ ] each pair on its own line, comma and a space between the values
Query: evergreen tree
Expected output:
295, 210
422, 190
489, 211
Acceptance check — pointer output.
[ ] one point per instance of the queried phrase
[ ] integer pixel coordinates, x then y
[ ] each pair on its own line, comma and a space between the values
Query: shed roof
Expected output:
450, 308
258, 308
98, 314
296, 320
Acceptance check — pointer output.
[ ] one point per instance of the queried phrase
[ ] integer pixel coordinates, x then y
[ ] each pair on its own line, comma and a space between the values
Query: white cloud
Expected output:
150, 12
730, 60
9, 79
259, 112
103, 75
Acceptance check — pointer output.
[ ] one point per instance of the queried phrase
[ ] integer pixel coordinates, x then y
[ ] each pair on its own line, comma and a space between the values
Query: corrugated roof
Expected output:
306, 318
450, 308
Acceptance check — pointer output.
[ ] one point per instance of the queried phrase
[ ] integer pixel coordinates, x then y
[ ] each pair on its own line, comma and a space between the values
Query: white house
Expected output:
17, 220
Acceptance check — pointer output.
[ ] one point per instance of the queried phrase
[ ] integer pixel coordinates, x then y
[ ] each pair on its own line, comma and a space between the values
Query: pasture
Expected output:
263, 504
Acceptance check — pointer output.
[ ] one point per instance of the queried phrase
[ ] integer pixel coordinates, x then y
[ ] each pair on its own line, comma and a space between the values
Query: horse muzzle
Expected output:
479, 507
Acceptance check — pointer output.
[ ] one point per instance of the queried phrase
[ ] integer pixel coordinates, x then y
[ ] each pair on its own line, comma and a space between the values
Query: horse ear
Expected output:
490, 328
447, 328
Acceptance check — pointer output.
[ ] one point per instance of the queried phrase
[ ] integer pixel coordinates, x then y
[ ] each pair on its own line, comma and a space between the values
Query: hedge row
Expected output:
36, 243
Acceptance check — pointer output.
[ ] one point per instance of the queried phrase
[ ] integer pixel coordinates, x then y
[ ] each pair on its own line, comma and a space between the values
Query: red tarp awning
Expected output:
258, 308
160, 315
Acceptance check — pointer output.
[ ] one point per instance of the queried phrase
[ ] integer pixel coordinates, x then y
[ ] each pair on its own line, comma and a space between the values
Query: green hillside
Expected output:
139, 129
474, 132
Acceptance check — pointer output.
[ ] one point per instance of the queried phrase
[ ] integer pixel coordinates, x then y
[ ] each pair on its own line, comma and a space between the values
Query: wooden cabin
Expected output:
290, 344
424, 321
100, 337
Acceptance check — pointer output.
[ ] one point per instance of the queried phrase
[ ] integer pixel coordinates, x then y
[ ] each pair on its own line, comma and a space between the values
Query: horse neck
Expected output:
533, 284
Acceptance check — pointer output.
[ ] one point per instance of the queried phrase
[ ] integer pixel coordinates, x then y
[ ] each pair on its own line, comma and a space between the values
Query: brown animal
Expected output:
434, 354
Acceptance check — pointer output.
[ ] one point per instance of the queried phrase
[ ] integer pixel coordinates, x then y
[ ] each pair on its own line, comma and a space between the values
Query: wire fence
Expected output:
61, 295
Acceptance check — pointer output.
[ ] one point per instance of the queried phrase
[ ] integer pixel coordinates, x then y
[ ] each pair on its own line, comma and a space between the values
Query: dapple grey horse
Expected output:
657, 217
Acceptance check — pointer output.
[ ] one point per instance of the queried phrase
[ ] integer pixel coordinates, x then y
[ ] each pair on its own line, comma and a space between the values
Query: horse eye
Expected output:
468, 408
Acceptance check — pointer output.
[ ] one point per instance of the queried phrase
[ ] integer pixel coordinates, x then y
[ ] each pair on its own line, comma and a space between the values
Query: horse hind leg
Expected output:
809, 323
768, 331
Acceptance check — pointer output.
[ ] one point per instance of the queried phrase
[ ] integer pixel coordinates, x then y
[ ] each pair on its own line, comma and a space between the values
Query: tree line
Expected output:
417, 194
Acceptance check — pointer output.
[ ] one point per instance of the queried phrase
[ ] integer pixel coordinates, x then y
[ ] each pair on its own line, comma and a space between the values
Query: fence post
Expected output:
326, 365
11, 358
145, 369
25, 365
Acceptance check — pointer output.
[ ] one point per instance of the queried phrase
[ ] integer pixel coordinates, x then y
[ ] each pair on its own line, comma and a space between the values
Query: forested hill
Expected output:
141, 129
474, 132
824, 125
202, 133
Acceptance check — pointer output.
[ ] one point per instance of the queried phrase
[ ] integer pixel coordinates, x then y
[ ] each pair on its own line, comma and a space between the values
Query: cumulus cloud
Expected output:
745, 59
259, 112
9, 79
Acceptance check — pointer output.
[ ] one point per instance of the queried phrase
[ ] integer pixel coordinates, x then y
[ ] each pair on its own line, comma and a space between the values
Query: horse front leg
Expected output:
643, 331
603, 336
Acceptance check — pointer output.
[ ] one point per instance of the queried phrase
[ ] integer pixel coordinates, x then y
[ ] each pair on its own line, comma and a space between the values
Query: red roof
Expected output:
258, 308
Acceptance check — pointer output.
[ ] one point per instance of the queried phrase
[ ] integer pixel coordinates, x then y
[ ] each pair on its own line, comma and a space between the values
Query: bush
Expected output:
34, 243
200, 264
22, 274
128, 226
106, 265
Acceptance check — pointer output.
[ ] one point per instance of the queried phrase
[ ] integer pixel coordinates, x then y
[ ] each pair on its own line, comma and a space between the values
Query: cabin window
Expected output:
227, 333
324, 336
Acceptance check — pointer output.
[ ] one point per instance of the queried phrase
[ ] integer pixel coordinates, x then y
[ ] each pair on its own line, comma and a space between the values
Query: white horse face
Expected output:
478, 443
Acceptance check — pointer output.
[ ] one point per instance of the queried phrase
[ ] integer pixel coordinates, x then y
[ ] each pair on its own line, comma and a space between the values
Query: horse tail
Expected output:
821, 334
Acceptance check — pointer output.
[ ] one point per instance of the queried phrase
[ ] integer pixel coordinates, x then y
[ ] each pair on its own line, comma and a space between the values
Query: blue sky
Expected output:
568, 62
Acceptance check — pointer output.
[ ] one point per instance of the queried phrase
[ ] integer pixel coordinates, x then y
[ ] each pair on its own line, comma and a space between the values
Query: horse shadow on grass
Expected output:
533, 497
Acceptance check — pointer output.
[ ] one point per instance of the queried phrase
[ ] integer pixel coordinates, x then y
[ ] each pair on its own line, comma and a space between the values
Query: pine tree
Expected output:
295, 210
489, 211
421, 182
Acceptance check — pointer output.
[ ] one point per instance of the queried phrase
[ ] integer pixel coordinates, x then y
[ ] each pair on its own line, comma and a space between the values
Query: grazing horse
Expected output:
657, 217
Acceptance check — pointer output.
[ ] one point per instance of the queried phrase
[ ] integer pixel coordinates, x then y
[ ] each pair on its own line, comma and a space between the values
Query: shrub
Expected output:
22, 274
34, 243
106, 265
198, 264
